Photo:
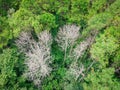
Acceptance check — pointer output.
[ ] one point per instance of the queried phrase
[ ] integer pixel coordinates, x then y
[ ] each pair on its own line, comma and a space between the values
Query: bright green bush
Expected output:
11, 68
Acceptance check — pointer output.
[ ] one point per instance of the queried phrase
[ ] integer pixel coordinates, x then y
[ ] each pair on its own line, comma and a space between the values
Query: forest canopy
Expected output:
59, 44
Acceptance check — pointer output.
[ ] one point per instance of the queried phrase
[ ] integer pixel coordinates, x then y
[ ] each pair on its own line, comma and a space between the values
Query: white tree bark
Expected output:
38, 55
75, 70
67, 36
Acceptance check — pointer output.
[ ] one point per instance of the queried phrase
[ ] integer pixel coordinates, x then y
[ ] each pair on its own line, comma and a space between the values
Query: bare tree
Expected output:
76, 71
80, 48
80, 70
67, 36
38, 55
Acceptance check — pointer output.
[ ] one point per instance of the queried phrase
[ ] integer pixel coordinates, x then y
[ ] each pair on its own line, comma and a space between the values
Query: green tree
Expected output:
5, 5
106, 48
101, 80
11, 69
4, 32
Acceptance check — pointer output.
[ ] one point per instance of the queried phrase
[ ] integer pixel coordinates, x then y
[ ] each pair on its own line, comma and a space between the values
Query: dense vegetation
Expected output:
59, 44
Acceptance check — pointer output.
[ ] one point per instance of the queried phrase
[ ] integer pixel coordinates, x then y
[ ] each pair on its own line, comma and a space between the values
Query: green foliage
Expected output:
73, 86
20, 20
116, 59
99, 18
55, 80
31, 5
103, 49
101, 80
114, 32
96, 6
5, 5
78, 11
4, 32
23, 19
7, 62
99, 21
47, 20
107, 46
114, 8
11, 67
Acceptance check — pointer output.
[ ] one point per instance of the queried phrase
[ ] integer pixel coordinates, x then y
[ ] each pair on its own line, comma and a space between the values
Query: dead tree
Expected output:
37, 54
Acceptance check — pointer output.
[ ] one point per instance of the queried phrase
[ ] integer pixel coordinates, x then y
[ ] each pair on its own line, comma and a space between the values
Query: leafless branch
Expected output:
38, 55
